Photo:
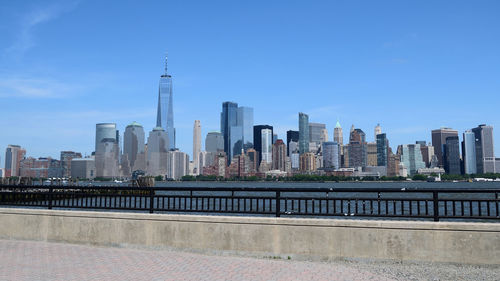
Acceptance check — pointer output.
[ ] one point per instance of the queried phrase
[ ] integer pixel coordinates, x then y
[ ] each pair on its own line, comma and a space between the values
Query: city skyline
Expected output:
392, 80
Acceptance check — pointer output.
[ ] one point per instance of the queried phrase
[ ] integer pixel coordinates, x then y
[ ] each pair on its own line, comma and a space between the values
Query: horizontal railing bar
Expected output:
264, 189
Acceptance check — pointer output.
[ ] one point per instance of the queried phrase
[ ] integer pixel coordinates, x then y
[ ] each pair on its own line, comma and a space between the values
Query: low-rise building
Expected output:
83, 168
430, 171
43, 167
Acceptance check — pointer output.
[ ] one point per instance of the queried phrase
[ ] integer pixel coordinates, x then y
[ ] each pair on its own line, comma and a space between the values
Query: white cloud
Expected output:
34, 88
25, 39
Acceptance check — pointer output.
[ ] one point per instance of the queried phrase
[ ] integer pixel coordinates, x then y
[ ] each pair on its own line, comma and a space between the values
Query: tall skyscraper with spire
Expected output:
337, 134
377, 131
165, 113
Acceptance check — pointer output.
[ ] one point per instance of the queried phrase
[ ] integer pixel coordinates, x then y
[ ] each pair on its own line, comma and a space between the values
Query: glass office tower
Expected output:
245, 120
105, 131
165, 113
452, 156
469, 152
412, 158
237, 128
485, 153
382, 149
303, 133
331, 155
316, 132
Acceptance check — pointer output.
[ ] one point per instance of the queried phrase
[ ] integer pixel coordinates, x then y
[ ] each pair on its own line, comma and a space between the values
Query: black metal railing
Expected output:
436, 204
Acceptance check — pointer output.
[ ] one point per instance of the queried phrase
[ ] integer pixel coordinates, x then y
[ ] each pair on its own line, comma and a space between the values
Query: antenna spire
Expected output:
166, 60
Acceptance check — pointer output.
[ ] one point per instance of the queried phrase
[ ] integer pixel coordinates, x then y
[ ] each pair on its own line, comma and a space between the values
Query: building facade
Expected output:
279, 155
316, 133
196, 146
303, 133
165, 111
105, 131
106, 159
177, 164
357, 149
13, 156
377, 131
307, 162
291, 136
411, 157
83, 168
485, 152
469, 152
338, 135
66, 158
43, 167
237, 128
371, 154
331, 155
214, 142
134, 147
382, 149
263, 144
439, 141
427, 152
157, 154
452, 163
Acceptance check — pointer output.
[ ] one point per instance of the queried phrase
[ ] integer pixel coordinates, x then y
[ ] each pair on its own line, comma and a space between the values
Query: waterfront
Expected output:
360, 184
380, 200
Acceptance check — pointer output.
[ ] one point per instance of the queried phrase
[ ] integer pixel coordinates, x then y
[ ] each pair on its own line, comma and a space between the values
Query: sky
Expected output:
411, 66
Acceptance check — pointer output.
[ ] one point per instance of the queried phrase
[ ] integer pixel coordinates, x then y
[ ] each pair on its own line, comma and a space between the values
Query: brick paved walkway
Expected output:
28, 260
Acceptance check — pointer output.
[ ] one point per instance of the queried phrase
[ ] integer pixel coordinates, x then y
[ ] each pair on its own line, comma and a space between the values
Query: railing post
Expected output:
278, 204
50, 197
436, 205
151, 199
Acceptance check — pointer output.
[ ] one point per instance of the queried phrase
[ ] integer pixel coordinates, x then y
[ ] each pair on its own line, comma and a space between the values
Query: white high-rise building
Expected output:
378, 131
196, 146
267, 145
177, 164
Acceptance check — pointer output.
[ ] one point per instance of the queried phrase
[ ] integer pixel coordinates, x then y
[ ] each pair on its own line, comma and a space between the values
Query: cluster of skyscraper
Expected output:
156, 157
310, 151
243, 149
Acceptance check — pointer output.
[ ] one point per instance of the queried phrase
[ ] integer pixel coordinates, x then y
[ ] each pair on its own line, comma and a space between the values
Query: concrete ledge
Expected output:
469, 243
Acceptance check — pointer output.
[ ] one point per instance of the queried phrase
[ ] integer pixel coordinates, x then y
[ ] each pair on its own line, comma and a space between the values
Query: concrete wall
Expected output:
318, 239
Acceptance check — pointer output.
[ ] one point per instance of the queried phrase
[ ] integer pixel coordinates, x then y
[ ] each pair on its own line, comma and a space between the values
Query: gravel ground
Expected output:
30, 260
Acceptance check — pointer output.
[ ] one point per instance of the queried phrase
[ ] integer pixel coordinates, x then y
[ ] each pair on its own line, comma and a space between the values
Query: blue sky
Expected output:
411, 66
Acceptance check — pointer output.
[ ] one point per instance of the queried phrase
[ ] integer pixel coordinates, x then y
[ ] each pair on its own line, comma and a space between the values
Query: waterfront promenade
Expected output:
32, 260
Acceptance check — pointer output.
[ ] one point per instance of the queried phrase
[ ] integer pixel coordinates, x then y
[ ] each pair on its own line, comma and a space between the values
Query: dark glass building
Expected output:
452, 163
236, 126
291, 136
382, 149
